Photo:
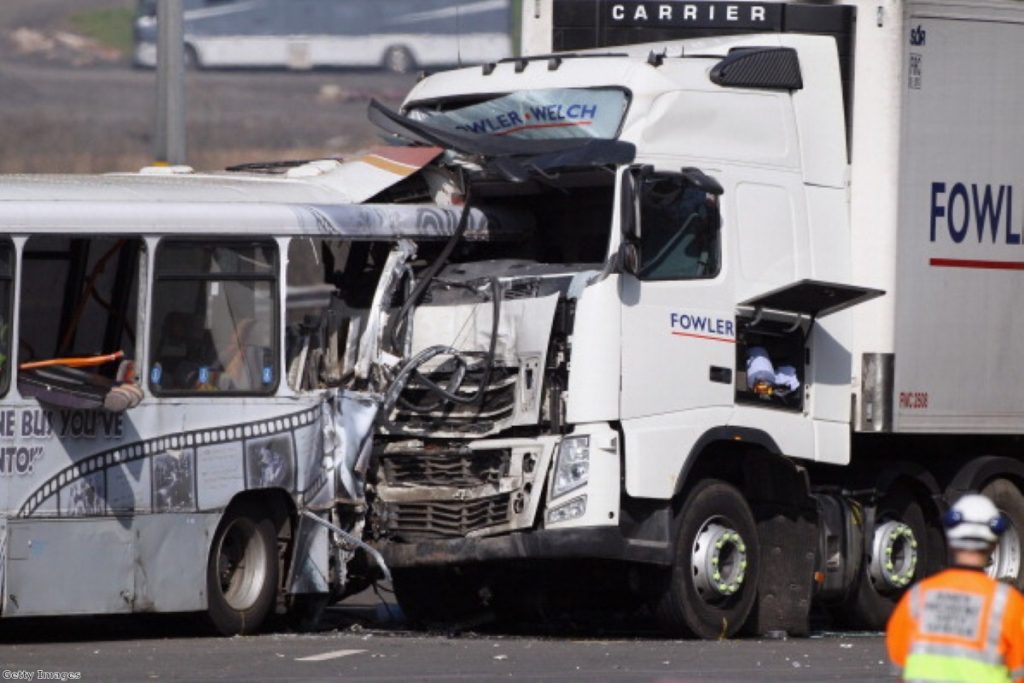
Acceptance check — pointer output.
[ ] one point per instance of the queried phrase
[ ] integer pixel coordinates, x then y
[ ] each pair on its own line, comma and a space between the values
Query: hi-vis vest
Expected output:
959, 625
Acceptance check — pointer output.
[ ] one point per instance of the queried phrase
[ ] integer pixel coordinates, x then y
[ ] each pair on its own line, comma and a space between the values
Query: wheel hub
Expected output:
893, 556
1006, 558
719, 561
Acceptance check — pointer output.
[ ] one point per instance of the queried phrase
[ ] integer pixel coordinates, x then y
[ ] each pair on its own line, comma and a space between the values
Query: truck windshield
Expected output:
549, 114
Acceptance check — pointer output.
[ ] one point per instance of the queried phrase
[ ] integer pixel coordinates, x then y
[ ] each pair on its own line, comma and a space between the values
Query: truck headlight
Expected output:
574, 509
572, 468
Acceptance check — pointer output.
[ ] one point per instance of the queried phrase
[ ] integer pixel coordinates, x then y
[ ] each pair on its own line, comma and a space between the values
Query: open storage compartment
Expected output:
773, 339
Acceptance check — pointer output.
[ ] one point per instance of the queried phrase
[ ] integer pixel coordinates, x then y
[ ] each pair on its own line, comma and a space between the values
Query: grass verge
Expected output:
111, 27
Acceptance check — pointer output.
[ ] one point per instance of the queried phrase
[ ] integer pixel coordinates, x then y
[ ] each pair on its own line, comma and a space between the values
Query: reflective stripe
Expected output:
915, 602
960, 651
929, 667
995, 616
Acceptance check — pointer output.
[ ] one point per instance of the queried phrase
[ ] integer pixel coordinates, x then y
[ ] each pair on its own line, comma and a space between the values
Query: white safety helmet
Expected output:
973, 523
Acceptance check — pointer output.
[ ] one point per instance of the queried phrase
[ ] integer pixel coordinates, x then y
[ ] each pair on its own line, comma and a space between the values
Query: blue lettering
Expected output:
539, 113
938, 210
513, 116
573, 112
589, 112
958, 234
984, 211
1011, 236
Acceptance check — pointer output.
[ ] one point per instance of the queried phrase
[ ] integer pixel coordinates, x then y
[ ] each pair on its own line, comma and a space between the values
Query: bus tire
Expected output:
871, 601
712, 583
242, 571
398, 59
1008, 556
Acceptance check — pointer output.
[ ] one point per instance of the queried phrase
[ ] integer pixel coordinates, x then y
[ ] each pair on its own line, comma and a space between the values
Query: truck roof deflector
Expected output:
774, 68
813, 298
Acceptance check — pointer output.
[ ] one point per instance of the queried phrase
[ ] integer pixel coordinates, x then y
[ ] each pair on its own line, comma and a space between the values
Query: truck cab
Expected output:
680, 366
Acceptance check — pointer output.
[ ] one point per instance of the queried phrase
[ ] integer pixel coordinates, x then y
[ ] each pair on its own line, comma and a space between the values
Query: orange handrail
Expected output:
76, 362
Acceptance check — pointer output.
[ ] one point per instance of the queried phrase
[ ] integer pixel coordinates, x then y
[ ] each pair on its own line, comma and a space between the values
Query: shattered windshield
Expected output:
557, 113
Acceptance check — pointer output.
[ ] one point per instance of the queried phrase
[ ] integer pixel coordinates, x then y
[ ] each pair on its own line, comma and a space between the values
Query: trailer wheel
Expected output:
398, 59
1007, 558
242, 571
896, 555
713, 580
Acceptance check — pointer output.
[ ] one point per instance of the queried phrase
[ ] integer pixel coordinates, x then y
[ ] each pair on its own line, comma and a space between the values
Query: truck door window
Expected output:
214, 326
679, 231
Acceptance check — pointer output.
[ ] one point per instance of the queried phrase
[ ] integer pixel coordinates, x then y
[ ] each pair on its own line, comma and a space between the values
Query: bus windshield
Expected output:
555, 113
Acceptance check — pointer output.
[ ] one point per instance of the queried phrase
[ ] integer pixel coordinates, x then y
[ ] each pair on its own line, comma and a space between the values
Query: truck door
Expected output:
678, 324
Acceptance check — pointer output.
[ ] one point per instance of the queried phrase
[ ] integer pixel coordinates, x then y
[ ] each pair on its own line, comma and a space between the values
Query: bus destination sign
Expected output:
766, 16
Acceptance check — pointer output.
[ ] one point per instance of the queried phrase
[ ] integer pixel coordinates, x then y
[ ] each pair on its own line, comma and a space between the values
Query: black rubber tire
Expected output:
868, 607
680, 608
398, 59
1010, 501
242, 571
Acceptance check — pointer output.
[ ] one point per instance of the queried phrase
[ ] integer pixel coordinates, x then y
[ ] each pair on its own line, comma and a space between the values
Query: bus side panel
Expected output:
69, 567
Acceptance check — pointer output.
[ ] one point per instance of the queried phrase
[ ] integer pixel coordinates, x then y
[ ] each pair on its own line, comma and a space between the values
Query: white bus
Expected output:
399, 35
174, 433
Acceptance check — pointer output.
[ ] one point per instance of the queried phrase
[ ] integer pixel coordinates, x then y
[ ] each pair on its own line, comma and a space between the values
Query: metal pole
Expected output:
170, 79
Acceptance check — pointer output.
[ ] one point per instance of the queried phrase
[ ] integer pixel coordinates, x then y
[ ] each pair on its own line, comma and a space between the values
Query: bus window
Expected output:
6, 290
214, 324
78, 303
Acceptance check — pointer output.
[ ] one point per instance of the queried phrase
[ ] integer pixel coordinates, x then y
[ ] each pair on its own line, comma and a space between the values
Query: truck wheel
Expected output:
1006, 560
713, 579
242, 571
896, 555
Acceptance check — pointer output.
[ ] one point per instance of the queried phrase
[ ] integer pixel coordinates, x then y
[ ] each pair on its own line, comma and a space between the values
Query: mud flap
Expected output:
787, 537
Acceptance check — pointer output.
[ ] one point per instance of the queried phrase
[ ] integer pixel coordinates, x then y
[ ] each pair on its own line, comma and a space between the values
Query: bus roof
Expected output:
213, 204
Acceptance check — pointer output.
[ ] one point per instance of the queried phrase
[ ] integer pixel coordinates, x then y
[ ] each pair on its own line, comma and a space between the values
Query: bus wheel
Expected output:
398, 59
713, 580
896, 554
1007, 558
242, 572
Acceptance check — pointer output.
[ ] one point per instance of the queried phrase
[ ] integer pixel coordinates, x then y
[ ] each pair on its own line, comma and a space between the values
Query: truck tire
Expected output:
713, 580
1007, 558
873, 598
242, 571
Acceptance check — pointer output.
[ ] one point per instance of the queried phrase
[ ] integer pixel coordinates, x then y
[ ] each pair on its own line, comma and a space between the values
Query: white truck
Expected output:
752, 328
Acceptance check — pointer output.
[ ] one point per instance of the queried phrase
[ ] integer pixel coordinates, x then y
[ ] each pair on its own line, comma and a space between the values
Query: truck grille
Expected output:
419, 408
459, 467
446, 519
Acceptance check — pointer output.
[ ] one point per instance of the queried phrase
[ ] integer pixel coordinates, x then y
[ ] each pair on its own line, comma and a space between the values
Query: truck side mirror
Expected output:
629, 257
702, 181
629, 224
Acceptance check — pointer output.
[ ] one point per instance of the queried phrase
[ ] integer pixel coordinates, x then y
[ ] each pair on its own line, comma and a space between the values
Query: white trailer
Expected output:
758, 333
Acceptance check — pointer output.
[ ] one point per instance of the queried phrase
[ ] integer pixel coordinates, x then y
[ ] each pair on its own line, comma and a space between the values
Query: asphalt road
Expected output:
158, 649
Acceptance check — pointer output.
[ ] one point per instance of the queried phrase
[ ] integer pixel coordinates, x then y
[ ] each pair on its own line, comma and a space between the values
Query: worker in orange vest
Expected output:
961, 625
